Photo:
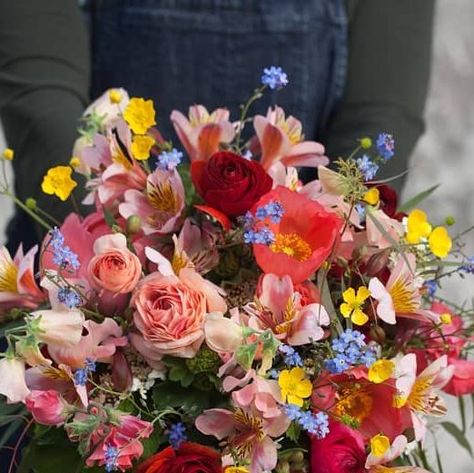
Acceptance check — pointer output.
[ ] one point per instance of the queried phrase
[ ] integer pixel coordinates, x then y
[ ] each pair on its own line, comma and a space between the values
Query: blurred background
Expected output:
445, 156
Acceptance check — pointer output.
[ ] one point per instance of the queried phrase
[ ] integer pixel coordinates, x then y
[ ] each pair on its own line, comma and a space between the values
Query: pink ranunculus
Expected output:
18, 287
99, 344
160, 207
281, 140
46, 407
12, 380
114, 267
125, 437
170, 311
202, 134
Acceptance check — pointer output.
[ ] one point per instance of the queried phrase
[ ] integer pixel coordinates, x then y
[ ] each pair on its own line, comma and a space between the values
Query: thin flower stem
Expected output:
20, 204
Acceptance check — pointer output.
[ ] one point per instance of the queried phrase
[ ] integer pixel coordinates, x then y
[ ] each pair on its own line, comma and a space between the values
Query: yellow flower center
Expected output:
446, 318
293, 133
8, 274
354, 403
403, 298
379, 445
417, 400
162, 197
250, 432
292, 245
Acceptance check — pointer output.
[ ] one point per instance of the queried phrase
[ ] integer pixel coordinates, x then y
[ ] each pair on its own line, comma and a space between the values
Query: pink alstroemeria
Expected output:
417, 393
278, 307
202, 134
378, 220
247, 433
400, 297
18, 287
99, 344
12, 380
282, 140
160, 207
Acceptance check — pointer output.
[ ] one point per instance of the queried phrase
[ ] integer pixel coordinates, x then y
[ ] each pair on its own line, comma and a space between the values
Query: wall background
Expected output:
445, 156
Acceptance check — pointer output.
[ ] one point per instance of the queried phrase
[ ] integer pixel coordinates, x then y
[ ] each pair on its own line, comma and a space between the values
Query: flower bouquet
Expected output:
216, 314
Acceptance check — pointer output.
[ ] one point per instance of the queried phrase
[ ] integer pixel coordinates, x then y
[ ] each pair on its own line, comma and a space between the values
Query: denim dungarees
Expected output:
212, 52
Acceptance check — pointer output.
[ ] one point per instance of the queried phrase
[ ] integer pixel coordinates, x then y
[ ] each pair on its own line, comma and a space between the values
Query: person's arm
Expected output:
388, 74
44, 81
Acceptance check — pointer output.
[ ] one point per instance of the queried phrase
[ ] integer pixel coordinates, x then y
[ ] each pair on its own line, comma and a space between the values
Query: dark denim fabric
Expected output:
212, 52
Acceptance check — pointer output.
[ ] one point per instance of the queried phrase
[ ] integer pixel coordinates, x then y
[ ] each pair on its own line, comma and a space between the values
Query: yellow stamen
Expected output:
292, 245
446, 318
8, 273
251, 429
379, 445
354, 403
403, 298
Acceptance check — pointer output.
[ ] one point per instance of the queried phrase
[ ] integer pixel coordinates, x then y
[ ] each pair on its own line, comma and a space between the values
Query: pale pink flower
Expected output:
12, 380
282, 139
99, 344
160, 207
249, 432
202, 134
18, 287
223, 335
417, 393
392, 232
114, 267
105, 108
46, 407
93, 156
278, 307
400, 297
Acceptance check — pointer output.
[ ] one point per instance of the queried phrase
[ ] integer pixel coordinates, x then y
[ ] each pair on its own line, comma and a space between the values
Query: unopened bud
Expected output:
450, 221
377, 333
133, 224
115, 96
365, 143
8, 154
30, 203
74, 162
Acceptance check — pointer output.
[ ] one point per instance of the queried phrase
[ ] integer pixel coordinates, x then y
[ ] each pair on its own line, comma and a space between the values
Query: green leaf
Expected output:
184, 171
293, 433
152, 443
414, 201
438, 457
462, 411
457, 433
179, 371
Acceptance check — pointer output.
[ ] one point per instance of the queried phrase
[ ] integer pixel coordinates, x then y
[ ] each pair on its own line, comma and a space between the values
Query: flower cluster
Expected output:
212, 296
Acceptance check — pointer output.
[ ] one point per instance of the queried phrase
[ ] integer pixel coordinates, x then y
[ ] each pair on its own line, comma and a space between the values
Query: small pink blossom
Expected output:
202, 134
282, 140
46, 407
160, 207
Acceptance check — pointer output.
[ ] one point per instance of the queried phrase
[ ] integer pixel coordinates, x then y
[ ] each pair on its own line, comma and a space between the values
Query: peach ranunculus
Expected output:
161, 206
170, 309
281, 139
18, 287
202, 134
114, 267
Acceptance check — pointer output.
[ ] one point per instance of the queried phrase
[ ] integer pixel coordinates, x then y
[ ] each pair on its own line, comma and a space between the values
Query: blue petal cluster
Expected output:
274, 77
468, 266
367, 167
63, 256
315, 424
262, 236
350, 349
177, 435
81, 375
431, 286
69, 297
111, 456
385, 146
274, 211
292, 357
169, 160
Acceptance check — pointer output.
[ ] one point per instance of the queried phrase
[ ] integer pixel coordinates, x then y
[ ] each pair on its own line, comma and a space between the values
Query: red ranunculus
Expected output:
304, 237
230, 183
189, 458
342, 451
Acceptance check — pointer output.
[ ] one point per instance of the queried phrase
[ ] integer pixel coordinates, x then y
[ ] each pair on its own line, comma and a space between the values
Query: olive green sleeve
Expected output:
44, 82
388, 74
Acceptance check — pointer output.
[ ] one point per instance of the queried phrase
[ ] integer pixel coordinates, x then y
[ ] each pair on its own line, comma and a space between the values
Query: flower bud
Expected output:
133, 224
377, 333
30, 203
365, 142
450, 220
8, 154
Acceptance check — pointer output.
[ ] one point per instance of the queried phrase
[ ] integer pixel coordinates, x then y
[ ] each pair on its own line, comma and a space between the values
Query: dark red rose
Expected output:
389, 201
342, 451
189, 458
230, 183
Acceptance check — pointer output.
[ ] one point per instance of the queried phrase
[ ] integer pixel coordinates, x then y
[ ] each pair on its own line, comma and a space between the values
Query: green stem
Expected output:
20, 204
